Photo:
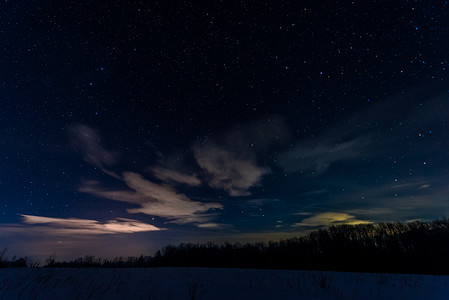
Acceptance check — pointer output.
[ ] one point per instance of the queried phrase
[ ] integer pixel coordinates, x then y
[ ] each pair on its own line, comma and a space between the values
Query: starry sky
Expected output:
129, 125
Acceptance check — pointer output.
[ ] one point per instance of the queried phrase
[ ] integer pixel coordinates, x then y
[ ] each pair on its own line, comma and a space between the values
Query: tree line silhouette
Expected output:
416, 247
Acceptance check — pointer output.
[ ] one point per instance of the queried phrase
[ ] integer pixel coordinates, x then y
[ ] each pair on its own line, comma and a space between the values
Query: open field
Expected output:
206, 283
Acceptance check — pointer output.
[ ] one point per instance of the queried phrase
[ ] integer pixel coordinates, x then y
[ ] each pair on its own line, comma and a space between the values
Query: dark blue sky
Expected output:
126, 126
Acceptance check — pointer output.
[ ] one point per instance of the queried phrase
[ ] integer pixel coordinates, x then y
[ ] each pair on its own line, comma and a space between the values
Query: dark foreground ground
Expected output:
205, 283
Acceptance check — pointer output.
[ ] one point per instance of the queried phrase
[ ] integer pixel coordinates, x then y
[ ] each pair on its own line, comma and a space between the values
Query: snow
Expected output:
204, 283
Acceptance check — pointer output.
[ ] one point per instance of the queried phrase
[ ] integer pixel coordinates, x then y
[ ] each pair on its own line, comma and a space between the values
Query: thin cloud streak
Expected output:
214, 226
85, 226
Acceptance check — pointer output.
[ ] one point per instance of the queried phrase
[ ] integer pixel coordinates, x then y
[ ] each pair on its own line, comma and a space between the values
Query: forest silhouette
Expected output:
415, 247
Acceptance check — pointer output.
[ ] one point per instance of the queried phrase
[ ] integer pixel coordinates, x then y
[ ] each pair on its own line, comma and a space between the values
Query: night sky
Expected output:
129, 125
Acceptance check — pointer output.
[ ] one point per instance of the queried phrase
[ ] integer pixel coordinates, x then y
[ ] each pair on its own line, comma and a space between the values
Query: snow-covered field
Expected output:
203, 283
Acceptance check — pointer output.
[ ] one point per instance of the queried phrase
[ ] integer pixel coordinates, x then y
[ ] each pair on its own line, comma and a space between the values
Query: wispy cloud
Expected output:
150, 198
330, 218
167, 175
410, 197
385, 128
225, 170
85, 226
318, 154
88, 141
154, 199
398, 201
